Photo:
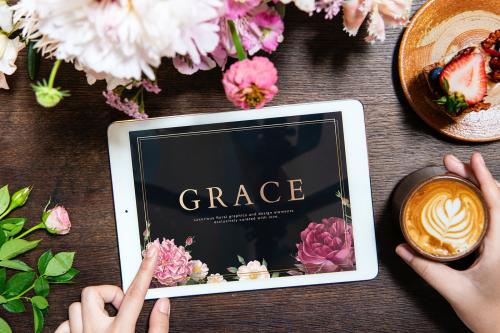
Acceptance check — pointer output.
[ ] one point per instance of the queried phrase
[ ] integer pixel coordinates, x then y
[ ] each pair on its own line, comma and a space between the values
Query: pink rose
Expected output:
251, 83
173, 266
327, 246
57, 221
189, 241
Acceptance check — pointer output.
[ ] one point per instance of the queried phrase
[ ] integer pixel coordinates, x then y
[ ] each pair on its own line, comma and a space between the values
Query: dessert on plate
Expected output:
461, 81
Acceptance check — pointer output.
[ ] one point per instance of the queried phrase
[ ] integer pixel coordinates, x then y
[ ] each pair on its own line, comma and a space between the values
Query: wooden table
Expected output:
63, 153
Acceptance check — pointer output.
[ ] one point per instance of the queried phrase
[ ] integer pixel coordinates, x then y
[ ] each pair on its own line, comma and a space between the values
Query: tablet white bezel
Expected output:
358, 180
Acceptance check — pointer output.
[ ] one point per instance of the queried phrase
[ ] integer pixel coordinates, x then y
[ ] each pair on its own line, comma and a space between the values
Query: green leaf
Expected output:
42, 287
446, 86
3, 237
40, 302
12, 226
65, 278
241, 260
60, 264
18, 283
4, 199
4, 326
14, 306
15, 247
33, 60
232, 270
43, 261
275, 275
38, 321
264, 262
2, 299
3, 279
15, 264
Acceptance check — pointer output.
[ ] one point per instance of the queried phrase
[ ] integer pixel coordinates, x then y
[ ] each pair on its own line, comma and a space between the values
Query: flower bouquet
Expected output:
27, 285
124, 41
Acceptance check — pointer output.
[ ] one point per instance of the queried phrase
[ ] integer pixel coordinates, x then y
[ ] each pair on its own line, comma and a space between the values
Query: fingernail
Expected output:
454, 158
164, 306
480, 158
152, 251
404, 253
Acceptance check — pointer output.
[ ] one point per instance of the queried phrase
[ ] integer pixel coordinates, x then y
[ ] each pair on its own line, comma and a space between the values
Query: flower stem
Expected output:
237, 41
53, 73
40, 225
6, 212
21, 294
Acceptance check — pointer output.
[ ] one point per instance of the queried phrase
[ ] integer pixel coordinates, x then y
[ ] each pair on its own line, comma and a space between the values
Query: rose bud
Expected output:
189, 241
56, 221
20, 197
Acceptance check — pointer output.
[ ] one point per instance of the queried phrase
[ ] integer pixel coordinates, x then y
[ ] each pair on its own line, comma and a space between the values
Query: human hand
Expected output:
474, 293
89, 315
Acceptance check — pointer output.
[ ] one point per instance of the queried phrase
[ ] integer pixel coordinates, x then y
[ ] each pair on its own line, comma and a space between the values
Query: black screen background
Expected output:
311, 152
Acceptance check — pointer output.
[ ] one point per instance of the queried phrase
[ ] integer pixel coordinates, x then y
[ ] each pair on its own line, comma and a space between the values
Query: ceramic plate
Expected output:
440, 28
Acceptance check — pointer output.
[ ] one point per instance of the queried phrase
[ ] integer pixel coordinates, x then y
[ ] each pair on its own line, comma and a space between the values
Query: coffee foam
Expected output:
444, 217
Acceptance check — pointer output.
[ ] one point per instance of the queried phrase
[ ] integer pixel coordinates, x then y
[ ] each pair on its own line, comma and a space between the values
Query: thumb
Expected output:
447, 281
160, 316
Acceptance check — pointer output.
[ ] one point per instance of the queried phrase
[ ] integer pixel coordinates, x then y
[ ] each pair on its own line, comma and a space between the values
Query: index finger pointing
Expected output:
134, 298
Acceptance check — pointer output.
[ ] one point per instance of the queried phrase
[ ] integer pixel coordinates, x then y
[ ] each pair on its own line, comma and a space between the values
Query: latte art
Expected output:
444, 217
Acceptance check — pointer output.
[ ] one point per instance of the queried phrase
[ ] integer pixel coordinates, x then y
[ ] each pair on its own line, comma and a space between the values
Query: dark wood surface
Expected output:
63, 153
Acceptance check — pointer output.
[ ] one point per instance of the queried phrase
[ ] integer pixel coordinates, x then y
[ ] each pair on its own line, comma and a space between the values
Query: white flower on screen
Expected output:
200, 270
120, 40
253, 271
215, 278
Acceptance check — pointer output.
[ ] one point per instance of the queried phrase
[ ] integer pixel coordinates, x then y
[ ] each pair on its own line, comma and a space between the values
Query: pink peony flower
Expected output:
173, 266
330, 7
251, 82
238, 8
57, 221
327, 246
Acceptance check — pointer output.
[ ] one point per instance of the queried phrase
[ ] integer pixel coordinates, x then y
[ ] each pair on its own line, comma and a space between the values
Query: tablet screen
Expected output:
245, 200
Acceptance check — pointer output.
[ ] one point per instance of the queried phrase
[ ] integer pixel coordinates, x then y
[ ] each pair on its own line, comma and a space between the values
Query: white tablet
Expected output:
244, 200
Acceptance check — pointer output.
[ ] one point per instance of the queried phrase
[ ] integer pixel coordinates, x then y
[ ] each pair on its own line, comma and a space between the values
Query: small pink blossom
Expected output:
130, 108
173, 265
327, 246
251, 82
330, 7
57, 221
150, 86
186, 66
238, 8
189, 241
272, 27
382, 13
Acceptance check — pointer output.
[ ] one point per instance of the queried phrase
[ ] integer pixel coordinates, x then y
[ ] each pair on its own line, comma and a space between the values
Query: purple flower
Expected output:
327, 246
239, 8
130, 108
150, 86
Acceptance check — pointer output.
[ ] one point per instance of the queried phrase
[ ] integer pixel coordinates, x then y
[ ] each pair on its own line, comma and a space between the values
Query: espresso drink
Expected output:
444, 217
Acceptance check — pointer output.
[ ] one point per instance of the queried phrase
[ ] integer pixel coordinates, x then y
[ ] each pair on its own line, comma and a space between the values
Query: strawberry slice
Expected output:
464, 81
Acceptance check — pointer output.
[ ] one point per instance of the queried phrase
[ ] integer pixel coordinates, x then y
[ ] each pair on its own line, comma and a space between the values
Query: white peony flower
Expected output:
253, 271
9, 48
305, 5
5, 17
200, 270
123, 39
215, 278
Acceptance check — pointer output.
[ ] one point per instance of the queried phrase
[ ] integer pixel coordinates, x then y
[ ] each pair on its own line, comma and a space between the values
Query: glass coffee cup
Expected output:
442, 216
